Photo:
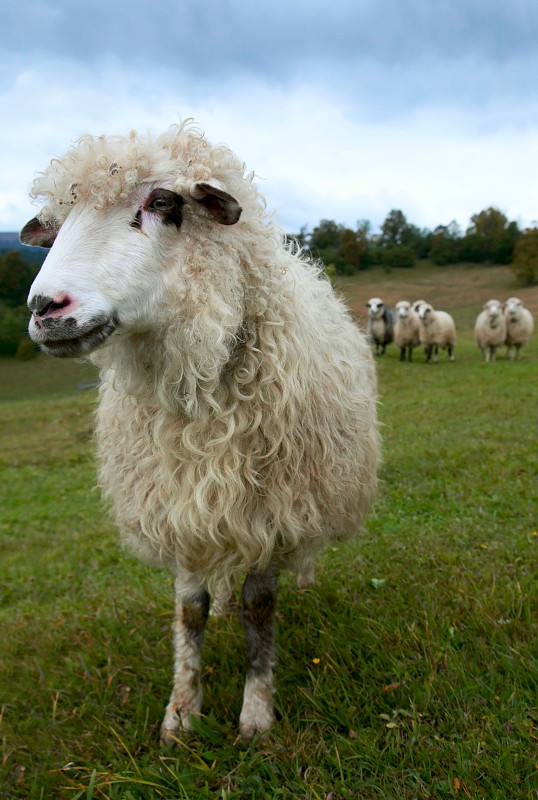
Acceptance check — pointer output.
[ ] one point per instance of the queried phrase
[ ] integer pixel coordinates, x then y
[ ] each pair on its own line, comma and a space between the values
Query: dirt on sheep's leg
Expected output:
258, 616
192, 609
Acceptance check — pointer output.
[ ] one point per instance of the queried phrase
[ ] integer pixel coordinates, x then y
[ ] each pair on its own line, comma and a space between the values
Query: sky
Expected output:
344, 109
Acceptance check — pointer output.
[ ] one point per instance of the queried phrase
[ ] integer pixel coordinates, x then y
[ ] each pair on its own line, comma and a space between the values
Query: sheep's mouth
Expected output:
66, 340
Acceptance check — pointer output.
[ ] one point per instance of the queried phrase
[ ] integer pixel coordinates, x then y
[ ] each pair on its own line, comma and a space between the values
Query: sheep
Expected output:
406, 330
416, 305
490, 329
519, 326
236, 425
437, 329
380, 324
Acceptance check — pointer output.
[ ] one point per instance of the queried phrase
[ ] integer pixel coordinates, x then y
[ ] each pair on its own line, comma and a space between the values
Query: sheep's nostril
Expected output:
42, 306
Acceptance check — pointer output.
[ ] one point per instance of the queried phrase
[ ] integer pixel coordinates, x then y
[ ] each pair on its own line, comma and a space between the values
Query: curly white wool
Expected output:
242, 428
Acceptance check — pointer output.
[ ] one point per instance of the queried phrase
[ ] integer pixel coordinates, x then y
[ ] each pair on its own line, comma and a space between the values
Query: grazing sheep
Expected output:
406, 330
437, 330
237, 426
380, 324
519, 326
490, 329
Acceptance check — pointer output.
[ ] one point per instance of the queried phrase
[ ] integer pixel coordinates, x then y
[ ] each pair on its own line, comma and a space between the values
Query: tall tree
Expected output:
487, 232
395, 230
525, 263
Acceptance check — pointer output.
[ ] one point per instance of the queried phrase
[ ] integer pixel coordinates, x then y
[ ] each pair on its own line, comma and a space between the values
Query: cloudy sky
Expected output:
344, 109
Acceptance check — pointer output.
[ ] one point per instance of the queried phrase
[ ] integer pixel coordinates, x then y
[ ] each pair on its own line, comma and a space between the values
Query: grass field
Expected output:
409, 671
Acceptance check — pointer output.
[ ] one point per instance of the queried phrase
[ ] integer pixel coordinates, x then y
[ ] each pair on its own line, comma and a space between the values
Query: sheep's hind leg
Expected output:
192, 608
258, 616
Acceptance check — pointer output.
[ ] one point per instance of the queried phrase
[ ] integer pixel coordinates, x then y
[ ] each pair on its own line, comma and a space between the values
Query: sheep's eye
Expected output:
161, 204
167, 204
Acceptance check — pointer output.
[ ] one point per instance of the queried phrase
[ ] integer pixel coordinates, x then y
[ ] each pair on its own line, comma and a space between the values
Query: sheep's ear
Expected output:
222, 206
36, 234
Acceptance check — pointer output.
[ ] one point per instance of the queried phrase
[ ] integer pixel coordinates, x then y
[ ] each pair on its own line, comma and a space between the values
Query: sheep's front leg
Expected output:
192, 608
258, 616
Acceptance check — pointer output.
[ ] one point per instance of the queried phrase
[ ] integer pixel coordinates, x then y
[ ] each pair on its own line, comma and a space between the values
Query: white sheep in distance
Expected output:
437, 329
406, 329
416, 305
490, 329
519, 326
380, 324
236, 427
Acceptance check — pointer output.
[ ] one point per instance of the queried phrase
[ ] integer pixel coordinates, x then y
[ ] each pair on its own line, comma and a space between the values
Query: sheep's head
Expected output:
425, 313
375, 307
403, 309
115, 224
512, 308
494, 310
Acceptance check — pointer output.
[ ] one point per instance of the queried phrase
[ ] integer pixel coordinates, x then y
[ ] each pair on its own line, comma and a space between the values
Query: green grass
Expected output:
409, 671
43, 377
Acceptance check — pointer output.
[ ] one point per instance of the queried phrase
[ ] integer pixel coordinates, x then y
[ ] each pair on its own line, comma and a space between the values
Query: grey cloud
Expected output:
216, 37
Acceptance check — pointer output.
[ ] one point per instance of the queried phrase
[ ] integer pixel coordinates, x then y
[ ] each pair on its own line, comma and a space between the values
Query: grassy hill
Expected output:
409, 671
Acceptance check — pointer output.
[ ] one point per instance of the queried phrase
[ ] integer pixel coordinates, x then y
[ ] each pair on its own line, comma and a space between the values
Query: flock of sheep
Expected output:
411, 325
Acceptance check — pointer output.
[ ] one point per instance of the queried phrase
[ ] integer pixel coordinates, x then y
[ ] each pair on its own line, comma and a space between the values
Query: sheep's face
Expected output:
493, 309
512, 307
106, 274
403, 309
375, 307
425, 312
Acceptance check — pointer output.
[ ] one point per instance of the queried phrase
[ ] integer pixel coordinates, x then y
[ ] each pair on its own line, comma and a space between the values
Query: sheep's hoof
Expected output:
257, 717
258, 727
174, 728
305, 579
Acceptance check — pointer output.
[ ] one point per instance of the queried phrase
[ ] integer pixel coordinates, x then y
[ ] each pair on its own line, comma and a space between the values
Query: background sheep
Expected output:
490, 329
237, 420
406, 329
519, 326
437, 329
380, 324
416, 305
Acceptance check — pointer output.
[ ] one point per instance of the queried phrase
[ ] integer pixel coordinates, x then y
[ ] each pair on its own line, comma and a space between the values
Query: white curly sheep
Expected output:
519, 326
237, 424
437, 329
406, 329
490, 329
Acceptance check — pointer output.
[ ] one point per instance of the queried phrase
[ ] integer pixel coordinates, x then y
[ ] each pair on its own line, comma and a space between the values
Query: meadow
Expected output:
409, 671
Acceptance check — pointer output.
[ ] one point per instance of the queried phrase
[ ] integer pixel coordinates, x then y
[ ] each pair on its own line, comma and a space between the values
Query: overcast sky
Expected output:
344, 109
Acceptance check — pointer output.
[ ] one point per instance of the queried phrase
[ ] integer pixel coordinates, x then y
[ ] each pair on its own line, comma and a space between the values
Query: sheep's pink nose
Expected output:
43, 306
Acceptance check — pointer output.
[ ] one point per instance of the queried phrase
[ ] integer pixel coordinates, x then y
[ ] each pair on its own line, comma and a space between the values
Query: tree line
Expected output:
490, 239
16, 276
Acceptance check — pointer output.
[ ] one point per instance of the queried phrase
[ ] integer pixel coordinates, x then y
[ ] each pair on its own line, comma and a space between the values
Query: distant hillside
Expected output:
9, 240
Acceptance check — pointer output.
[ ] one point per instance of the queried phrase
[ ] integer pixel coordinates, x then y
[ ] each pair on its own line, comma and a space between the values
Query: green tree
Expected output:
13, 329
446, 244
16, 277
399, 257
525, 261
490, 236
395, 231
353, 248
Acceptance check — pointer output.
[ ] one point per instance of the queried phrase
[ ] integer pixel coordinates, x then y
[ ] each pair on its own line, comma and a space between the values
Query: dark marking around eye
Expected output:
137, 221
167, 205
